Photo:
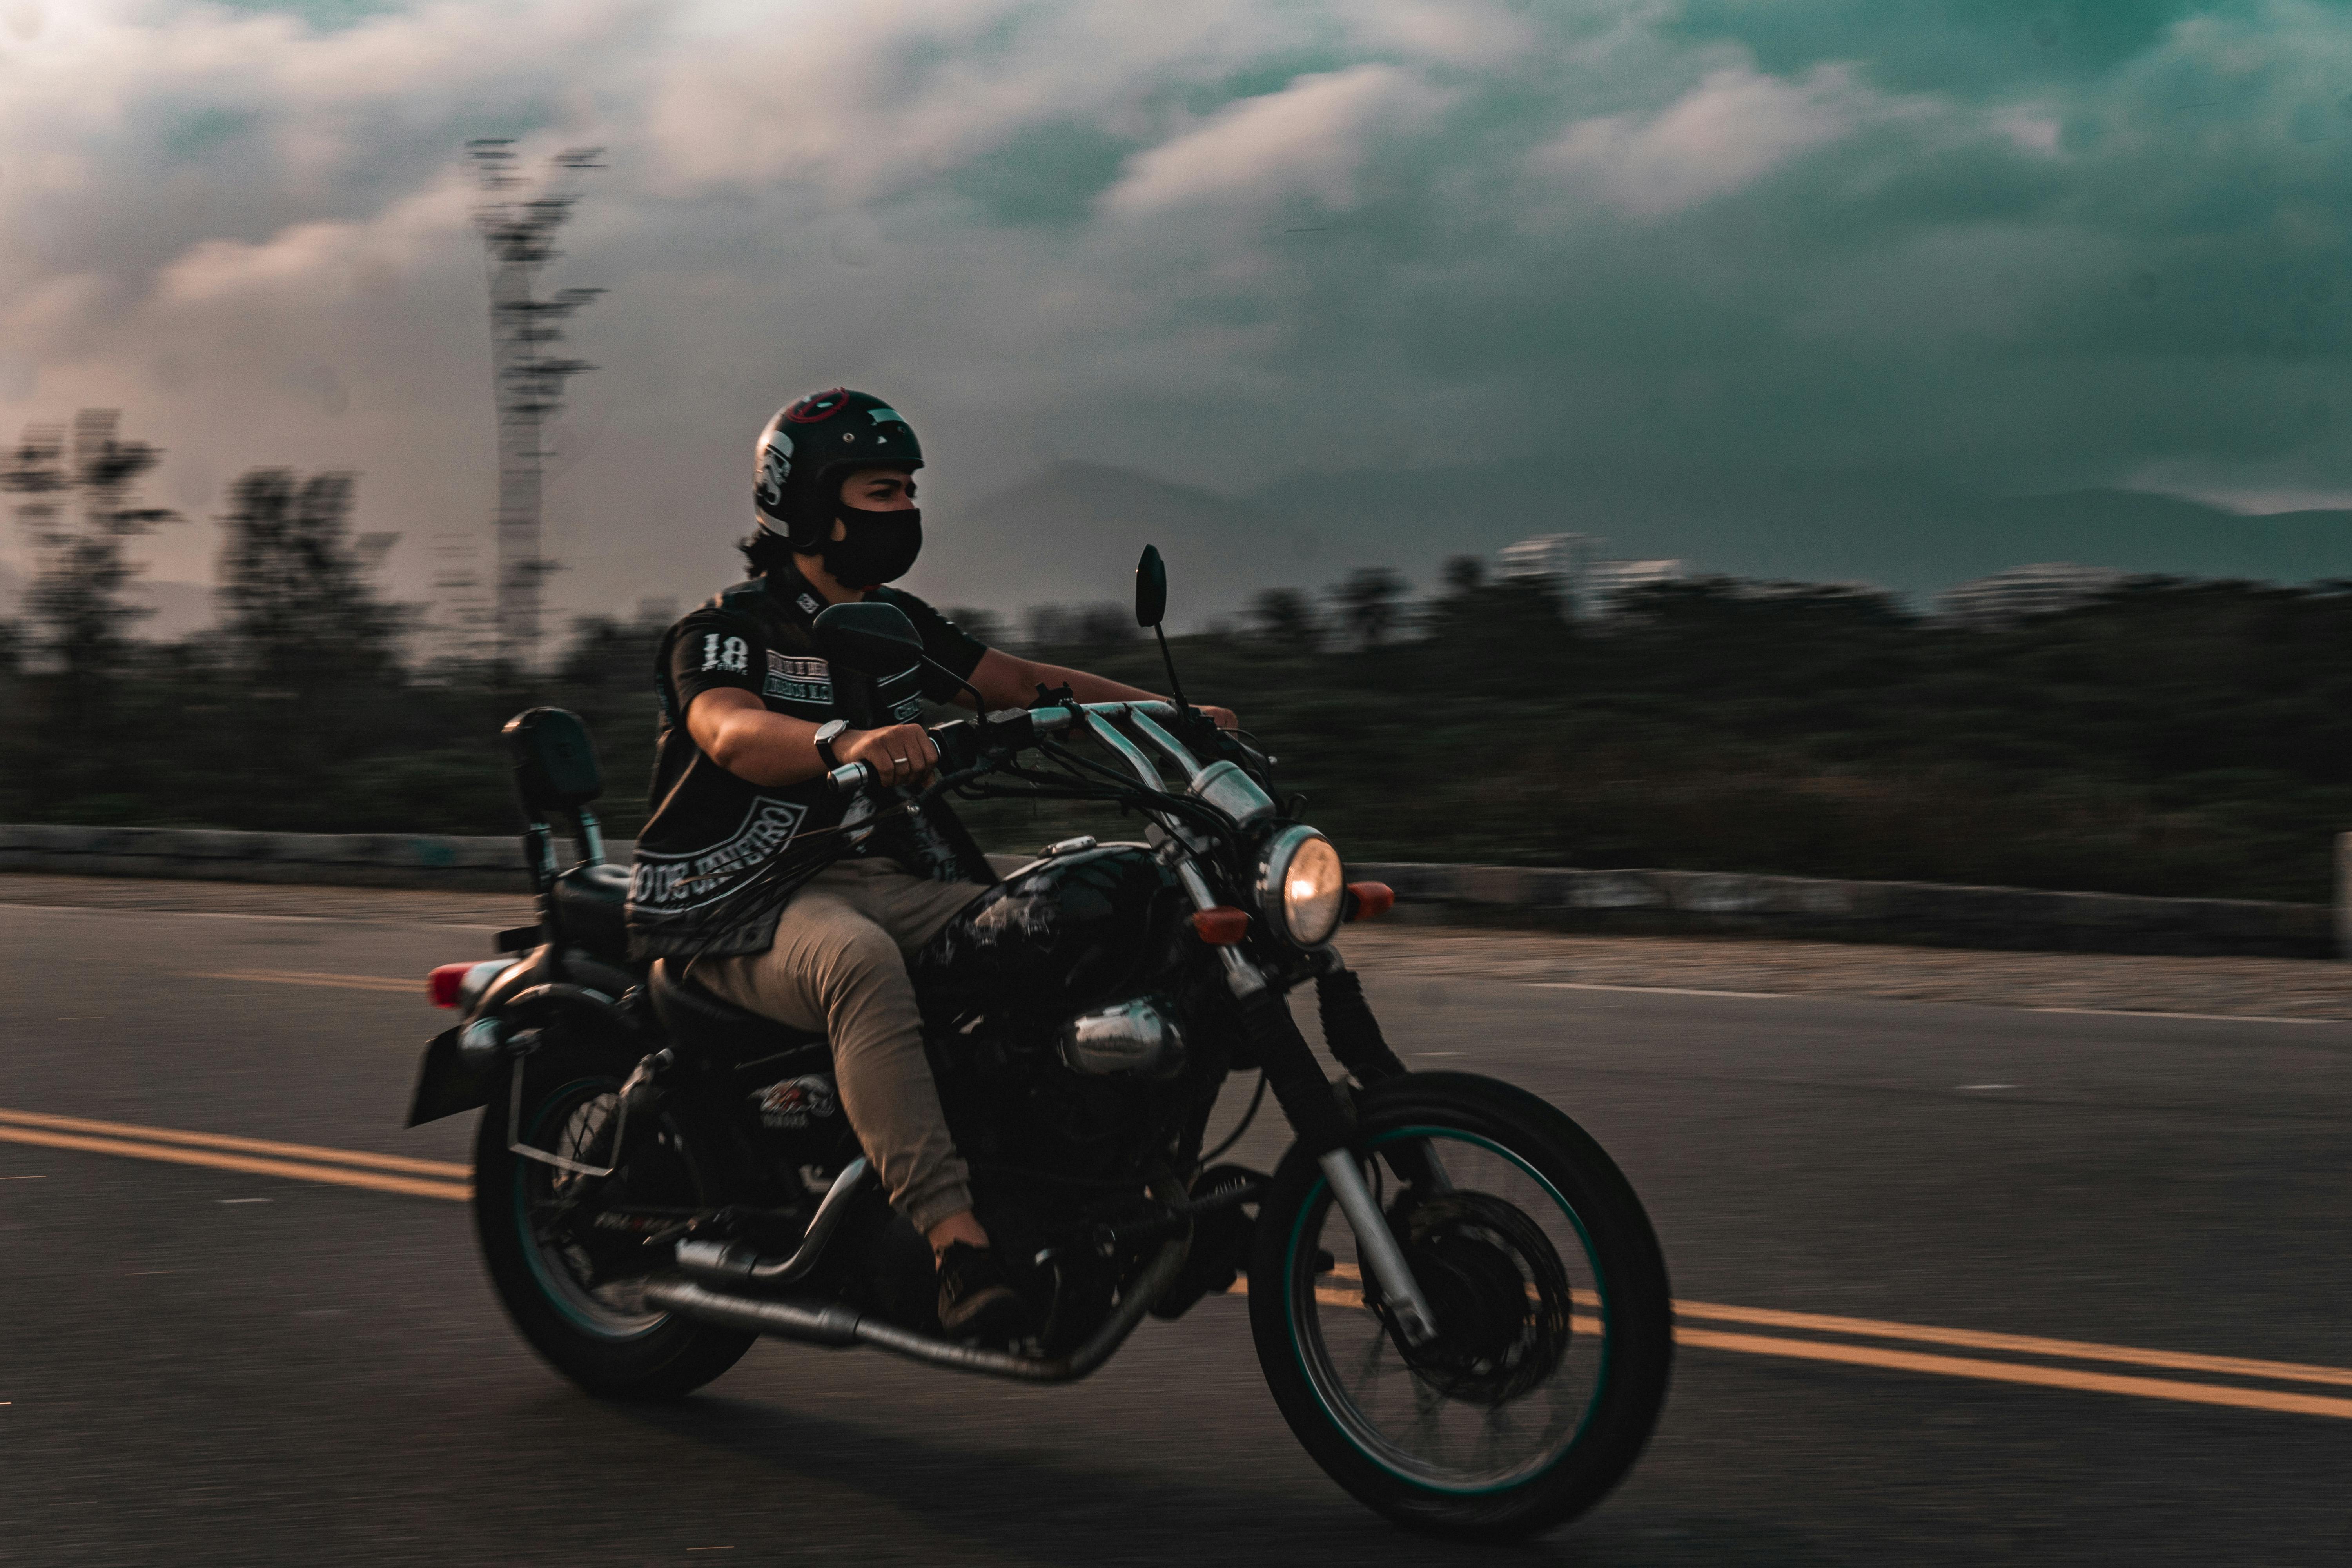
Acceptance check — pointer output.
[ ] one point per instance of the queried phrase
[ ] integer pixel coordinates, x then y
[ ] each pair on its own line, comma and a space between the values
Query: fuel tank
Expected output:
1058, 935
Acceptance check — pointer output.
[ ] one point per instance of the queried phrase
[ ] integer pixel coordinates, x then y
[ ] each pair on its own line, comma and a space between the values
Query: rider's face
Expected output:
876, 490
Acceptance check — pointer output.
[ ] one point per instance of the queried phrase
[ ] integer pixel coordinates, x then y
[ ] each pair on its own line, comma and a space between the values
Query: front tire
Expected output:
1555, 1324
569, 1289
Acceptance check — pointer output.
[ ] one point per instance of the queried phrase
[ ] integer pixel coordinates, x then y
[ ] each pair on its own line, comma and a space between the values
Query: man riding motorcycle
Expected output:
749, 730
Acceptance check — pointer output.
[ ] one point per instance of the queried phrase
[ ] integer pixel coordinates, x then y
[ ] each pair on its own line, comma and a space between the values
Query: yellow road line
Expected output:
2018, 1371
1928, 1334
333, 1175
215, 1150
441, 1168
2022, 1344
310, 977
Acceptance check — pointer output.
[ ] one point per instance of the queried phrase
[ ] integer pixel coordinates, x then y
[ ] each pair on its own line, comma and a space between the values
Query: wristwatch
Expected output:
827, 734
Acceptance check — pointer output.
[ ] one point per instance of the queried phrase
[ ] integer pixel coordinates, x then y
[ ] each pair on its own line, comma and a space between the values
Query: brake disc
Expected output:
1499, 1292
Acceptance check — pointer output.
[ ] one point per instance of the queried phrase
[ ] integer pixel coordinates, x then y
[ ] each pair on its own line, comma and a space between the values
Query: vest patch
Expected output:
798, 677
672, 884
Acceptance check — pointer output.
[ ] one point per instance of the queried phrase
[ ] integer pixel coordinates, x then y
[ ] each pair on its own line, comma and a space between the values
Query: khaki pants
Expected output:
839, 967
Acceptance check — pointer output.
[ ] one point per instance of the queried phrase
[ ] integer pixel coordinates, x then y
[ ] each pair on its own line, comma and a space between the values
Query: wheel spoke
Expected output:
1496, 1249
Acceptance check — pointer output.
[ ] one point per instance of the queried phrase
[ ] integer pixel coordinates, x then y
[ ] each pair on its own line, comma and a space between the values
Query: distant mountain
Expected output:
1071, 532
1895, 530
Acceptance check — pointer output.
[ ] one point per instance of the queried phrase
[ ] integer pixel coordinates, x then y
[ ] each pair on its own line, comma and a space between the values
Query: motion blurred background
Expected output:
1859, 439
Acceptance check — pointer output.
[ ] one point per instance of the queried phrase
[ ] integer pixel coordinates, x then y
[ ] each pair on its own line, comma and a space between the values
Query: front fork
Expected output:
1324, 1125
1306, 1099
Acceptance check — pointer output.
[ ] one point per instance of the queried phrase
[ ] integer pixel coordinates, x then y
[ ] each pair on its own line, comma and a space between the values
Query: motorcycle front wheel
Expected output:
1554, 1321
571, 1277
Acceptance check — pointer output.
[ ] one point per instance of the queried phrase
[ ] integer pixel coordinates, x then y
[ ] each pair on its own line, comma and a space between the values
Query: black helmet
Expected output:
796, 470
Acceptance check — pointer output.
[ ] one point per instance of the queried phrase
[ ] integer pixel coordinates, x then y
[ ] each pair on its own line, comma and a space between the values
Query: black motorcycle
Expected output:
1457, 1299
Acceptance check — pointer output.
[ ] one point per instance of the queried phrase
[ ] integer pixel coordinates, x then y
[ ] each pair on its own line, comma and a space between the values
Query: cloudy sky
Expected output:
2012, 248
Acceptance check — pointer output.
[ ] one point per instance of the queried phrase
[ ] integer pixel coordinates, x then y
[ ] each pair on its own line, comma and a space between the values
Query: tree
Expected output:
1080, 625
301, 614
1368, 604
76, 602
1465, 574
1284, 617
76, 514
984, 626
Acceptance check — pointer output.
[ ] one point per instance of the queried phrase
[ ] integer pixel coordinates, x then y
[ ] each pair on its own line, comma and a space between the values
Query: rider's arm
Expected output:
736, 729
1011, 682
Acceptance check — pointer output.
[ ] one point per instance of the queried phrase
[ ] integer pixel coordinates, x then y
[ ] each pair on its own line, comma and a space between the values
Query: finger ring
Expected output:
897, 759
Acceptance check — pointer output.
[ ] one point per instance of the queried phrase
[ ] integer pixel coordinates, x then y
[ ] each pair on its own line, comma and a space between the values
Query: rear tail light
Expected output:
444, 983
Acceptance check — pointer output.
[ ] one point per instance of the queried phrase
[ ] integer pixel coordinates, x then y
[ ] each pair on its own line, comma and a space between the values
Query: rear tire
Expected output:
1521, 1414
583, 1325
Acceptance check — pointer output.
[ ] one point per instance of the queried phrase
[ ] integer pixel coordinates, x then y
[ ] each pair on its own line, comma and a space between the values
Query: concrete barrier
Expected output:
2344, 895
349, 859
2025, 918
1625, 900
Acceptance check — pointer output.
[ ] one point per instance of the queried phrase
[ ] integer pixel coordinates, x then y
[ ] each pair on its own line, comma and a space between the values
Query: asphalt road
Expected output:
216, 1366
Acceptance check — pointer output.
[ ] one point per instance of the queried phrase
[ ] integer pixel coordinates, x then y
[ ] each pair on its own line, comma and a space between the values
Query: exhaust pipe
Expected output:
724, 1263
838, 1324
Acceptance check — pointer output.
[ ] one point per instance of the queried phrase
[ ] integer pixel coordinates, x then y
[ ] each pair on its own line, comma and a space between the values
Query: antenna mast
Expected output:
528, 375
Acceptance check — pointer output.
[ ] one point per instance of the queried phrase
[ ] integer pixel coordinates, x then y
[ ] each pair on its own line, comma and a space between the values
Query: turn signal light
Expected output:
1223, 926
443, 983
1370, 901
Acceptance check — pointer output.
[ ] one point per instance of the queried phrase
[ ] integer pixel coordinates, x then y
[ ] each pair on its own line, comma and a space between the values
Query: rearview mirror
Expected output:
868, 636
1151, 588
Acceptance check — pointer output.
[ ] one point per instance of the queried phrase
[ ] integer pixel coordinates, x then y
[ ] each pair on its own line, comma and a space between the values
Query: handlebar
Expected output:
964, 744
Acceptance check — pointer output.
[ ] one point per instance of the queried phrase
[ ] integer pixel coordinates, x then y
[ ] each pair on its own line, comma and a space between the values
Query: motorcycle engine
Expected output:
1135, 1038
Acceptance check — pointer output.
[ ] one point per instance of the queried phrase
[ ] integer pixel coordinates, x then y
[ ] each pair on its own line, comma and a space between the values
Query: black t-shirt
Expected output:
709, 829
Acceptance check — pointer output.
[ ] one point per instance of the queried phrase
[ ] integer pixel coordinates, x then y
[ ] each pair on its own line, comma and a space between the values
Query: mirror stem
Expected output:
1175, 687
979, 703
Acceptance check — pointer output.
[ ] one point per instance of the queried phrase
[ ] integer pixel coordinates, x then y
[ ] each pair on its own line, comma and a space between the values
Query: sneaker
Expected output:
976, 1303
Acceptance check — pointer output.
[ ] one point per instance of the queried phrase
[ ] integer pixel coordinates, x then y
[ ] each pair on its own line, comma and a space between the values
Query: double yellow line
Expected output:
1847, 1341
1841, 1350
255, 1156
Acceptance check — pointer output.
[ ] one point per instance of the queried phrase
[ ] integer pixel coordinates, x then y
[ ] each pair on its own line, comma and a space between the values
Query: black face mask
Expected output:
875, 546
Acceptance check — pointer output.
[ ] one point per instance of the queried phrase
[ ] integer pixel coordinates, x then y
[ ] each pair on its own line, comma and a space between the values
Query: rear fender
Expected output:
447, 1084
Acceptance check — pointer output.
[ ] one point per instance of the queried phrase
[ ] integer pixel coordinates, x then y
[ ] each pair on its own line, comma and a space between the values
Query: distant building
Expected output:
1587, 585
1607, 581
1562, 557
2021, 591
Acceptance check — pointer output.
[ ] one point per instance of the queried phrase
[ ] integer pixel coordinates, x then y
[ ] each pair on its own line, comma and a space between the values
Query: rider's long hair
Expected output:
765, 552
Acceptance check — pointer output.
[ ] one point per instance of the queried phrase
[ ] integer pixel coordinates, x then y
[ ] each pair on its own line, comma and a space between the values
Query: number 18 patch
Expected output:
729, 655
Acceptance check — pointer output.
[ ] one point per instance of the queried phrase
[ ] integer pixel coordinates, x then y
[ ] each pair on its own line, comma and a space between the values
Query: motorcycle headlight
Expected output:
1301, 883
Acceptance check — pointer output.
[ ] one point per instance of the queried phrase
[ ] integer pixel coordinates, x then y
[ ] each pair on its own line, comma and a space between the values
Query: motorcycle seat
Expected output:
714, 1024
589, 904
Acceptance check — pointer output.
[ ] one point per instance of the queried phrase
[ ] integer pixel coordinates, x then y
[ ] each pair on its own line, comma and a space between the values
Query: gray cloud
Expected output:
2029, 247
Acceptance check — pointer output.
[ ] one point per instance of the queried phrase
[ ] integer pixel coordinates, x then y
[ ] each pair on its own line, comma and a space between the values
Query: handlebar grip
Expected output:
958, 744
850, 777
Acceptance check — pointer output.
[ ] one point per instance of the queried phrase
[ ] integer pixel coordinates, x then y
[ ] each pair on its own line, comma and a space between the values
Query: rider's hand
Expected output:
900, 754
1222, 717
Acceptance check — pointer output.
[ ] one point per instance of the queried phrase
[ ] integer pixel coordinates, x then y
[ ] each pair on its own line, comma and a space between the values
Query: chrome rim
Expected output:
1523, 1349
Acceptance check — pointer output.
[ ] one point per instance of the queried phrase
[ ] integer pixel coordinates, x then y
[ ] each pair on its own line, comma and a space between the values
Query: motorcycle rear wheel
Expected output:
591, 1328
1555, 1322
